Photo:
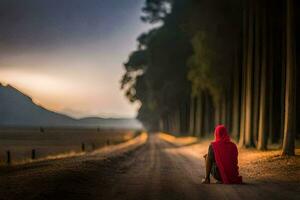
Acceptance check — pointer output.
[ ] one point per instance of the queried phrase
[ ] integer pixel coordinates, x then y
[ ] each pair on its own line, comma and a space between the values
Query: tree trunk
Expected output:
186, 117
289, 117
166, 124
218, 111
263, 109
171, 130
249, 82
183, 118
170, 123
208, 117
192, 122
161, 124
224, 110
211, 123
257, 69
199, 114
173, 120
236, 98
271, 85
244, 70
229, 109
177, 121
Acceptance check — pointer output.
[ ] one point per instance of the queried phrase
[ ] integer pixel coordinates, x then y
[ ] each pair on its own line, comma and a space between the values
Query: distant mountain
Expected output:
110, 122
18, 109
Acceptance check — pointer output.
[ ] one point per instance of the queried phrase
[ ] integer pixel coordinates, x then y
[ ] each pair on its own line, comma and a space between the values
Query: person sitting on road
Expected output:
222, 159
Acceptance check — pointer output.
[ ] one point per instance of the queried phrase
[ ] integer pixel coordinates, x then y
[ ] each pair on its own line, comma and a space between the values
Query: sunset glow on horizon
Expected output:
75, 93
74, 66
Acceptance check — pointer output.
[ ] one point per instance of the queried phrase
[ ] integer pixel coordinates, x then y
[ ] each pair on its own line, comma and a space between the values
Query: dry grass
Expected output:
269, 165
254, 165
55, 142
179, 141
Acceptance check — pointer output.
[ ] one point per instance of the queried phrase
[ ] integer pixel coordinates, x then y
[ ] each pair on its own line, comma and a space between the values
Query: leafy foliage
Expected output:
180, 55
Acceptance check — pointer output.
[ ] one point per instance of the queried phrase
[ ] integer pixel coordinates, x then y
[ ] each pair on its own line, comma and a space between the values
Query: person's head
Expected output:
221, 133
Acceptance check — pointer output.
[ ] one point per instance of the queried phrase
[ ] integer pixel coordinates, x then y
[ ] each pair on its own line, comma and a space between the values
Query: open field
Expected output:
51, 142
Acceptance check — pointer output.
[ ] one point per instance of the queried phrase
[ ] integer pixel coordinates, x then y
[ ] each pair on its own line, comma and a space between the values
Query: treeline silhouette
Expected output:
208, 62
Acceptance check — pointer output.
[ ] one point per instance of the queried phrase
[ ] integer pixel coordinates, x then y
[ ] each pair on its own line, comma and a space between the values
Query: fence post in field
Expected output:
107, 142
8, 160
82, 147
33, 154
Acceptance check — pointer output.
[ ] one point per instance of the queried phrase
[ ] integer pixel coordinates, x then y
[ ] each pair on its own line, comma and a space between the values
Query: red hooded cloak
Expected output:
226, 156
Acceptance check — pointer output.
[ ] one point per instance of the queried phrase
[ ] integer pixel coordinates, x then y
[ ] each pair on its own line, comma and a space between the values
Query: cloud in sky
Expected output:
68, 54
48, 23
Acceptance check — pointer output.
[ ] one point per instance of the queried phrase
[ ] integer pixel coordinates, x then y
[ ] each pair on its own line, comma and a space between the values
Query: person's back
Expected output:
225, 154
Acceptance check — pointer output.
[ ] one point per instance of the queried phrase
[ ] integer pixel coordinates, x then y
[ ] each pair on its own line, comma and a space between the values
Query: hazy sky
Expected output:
68, 54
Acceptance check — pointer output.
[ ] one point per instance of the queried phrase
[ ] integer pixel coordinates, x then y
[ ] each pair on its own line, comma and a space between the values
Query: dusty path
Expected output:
155, 170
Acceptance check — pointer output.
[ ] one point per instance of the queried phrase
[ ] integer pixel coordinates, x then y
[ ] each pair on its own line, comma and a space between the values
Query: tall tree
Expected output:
289, 117
249, 79
263, 98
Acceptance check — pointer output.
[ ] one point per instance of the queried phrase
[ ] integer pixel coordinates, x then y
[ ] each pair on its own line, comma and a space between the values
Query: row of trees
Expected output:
211, 62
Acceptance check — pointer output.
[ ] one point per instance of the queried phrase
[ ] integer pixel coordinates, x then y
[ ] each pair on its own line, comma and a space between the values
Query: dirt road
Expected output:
155, 170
